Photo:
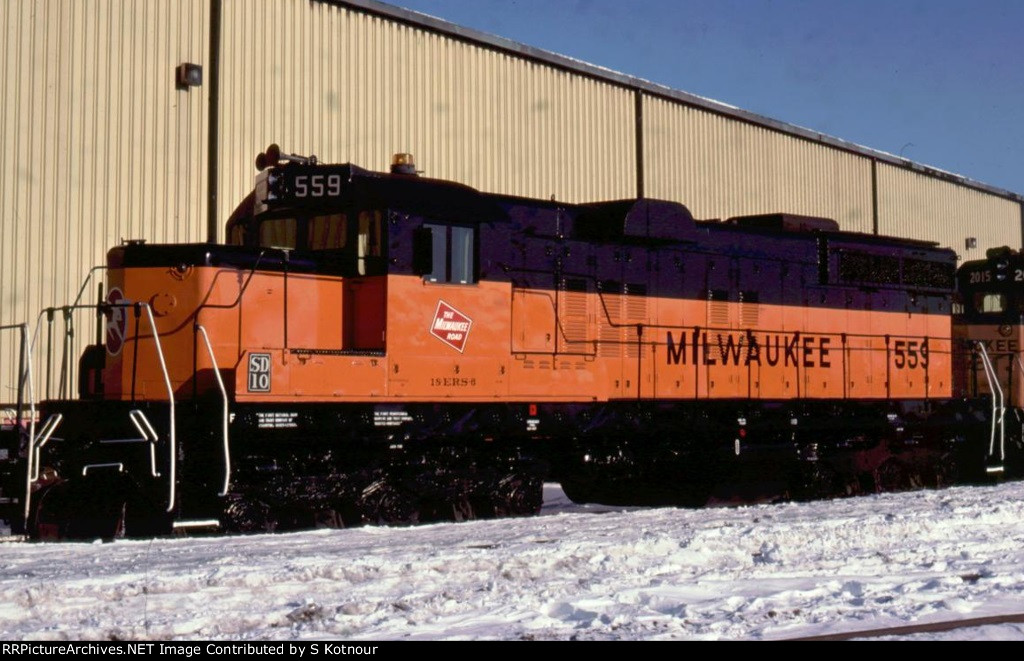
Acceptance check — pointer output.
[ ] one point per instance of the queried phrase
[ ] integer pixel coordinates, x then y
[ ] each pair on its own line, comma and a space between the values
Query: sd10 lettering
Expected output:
259, 372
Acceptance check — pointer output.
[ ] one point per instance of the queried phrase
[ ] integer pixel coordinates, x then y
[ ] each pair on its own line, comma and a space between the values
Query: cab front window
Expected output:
990, 302
328, 232
279, 233
347, 243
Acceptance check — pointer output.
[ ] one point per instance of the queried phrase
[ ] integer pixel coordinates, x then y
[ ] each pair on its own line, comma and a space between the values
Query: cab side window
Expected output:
370, 256
452, 254
461, 265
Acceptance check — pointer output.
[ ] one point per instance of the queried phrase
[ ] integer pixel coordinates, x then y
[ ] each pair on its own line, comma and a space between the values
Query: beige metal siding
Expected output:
719, 167
914, 205
97, 144
352, 87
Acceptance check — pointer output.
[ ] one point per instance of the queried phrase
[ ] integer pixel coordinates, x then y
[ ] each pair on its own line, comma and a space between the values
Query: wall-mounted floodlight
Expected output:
188, 75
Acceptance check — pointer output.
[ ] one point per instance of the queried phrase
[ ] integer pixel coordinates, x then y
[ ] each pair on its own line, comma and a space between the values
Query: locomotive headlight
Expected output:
273, 184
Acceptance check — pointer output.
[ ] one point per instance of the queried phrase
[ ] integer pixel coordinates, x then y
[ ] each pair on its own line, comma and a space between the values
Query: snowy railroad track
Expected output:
911, 630
794, 570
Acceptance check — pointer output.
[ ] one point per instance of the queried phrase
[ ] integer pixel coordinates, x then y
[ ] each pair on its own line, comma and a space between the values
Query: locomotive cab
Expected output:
297, 301
992, 319
337, 241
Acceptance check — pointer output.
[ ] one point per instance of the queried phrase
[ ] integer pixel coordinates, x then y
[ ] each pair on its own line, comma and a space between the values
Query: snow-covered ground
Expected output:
763, 572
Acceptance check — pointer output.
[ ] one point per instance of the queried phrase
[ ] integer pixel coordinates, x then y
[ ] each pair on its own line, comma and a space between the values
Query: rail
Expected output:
926, 627
224, 395
998, 409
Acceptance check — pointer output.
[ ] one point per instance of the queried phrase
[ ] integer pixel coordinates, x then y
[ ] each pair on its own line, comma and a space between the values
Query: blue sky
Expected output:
940, 81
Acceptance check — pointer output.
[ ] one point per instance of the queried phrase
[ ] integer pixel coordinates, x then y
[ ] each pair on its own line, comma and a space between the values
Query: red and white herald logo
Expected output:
117, 322
451, 326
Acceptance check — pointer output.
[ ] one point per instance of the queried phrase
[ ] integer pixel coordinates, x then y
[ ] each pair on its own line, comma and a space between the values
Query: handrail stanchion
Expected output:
224, 422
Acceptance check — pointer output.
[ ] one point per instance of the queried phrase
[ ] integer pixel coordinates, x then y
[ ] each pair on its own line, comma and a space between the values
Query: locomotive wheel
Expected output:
463, 510
892, 475
385, 504
107, 524
946, 472
851, 485
457, 508
818, 481
248, 515
328, 518
578, 491
77, 511
518, 495
693, 493
146, 523
48, 518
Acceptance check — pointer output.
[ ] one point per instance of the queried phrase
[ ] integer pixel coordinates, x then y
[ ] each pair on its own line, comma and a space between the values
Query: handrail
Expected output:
45, 433
113, 464
25, 376
69, 332
85, 281
141, 422
999, 409
224, 395
25, 380
996, 390
172, 440
34, 446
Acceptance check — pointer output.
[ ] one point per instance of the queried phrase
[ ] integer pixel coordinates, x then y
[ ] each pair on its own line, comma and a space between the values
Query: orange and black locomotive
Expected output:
386, 347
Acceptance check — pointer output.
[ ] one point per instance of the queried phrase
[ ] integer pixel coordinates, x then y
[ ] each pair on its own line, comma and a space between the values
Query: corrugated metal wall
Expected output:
720, 167
348, 86
922, 207
96, 144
